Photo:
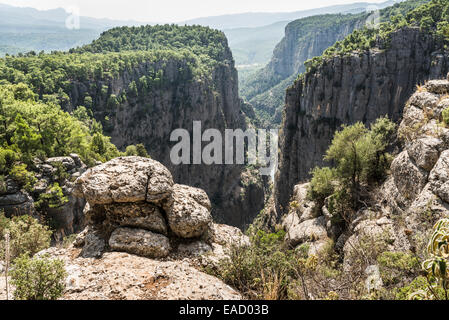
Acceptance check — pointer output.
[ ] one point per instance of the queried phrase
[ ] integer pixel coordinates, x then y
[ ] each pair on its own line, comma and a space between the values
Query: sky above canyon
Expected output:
173, 10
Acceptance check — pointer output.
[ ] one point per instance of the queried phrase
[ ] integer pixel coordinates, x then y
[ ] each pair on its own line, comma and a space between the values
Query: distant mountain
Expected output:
254, 45
260, 19
26, 29
304, 39
252, 36
25, 17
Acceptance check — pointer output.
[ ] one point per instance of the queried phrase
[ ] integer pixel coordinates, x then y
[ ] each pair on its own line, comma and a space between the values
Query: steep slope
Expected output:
384, 242
356, 85
144, 83
254, 46
304, 39
27, 29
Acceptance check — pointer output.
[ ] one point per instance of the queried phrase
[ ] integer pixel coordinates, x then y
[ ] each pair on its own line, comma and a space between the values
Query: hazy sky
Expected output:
174, 10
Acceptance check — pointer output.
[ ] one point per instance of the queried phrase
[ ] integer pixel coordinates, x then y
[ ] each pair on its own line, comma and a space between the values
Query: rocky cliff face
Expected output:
344, 90
401, 213
151, 114
66, 218
149, 236
295, 48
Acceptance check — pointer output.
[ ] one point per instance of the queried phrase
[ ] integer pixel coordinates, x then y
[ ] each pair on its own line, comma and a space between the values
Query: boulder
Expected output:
125, 179
67, 162
196, 248
17, 204
94, 245
9, 186
305, 208
439, 177
378, 233
188, 212
410, 180
424, 100
227, 236
425, 152
141, 215
140, 242
78, 162
307, 231
437, 86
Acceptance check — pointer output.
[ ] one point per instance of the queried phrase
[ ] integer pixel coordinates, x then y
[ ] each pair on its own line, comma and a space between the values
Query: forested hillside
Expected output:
29, 29
371, 73
304, 39
140, 84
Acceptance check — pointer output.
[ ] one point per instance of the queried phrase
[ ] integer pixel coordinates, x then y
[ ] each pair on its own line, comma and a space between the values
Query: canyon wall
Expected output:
344, 90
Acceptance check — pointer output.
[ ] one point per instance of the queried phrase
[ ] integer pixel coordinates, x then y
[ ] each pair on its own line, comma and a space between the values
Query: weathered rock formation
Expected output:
344, 90
66, 218
146, 238
121, 276
135, 207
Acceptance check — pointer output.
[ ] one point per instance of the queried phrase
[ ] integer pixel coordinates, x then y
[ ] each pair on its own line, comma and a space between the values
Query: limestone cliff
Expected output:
304, 39
346, 89
398, 215
147, 102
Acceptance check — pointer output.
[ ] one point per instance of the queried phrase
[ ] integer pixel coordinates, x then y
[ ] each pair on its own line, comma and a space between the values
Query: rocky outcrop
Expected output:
122, 276
135, 207
66, 218
150, 114
146, 238
343, 90
399, 214
14, 201
305, 225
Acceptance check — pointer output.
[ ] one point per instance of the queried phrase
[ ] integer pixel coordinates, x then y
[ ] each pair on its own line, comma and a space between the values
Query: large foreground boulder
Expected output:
140, 242
123, 276
188, 212
125, 179
135, 207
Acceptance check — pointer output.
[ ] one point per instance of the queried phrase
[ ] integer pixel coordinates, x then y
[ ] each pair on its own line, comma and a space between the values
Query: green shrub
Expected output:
420, 284
446, 116
27, 236
360, 158
436, 266
61, 173
53, 198
138, 150
262, 270
397, 266
7, 159
38, 279
322, 184
25, 178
